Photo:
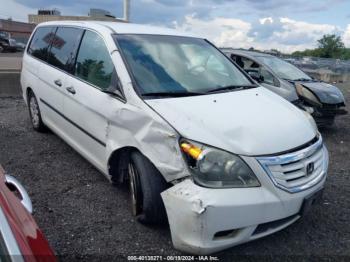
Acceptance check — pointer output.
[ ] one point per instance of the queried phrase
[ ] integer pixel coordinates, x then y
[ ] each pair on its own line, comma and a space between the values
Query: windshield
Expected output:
284, 69
4, 34
179, 65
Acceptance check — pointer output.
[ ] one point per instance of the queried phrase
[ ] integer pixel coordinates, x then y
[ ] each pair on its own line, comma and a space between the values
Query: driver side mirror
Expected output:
256, 76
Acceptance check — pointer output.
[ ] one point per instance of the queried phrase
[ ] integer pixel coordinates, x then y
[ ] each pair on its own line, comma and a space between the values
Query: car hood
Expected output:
327, 93
247, 122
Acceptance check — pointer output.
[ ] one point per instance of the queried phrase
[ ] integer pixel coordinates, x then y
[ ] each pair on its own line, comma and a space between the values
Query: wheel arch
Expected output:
28, 91
118, 164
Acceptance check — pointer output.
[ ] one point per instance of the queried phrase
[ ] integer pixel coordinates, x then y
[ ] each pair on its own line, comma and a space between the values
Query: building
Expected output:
52, 15
100, 12
49, 12
19, 31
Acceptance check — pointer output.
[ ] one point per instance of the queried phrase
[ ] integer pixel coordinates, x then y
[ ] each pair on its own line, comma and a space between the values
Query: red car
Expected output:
20, 237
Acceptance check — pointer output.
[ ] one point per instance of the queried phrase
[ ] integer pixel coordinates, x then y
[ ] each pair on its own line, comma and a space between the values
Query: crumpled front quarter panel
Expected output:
140, 127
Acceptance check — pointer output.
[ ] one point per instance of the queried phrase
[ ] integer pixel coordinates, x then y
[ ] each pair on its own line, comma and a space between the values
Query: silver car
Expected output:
322, 100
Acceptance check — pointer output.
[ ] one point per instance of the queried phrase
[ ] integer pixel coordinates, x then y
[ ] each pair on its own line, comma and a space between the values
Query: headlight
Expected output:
306, 93
216, 168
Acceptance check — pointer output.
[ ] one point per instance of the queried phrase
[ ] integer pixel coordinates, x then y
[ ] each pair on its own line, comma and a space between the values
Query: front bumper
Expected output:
10, 48
331, 110
203, 220
206, 220
322, 114
325, 115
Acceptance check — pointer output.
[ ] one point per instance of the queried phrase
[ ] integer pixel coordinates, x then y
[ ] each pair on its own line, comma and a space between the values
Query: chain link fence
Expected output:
325, 69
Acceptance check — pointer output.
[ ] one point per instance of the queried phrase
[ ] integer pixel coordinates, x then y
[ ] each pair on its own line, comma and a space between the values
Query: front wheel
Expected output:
146, 183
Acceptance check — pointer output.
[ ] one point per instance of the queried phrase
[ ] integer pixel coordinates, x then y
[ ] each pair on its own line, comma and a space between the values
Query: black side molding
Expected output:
73, 123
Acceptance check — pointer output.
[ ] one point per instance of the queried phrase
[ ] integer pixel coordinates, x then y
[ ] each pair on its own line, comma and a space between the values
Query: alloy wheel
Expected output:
135, 193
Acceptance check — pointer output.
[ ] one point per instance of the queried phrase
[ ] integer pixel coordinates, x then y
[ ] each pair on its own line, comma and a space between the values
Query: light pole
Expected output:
127, 10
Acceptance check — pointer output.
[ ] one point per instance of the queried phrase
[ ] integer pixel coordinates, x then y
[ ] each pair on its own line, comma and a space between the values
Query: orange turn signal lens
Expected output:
191, 150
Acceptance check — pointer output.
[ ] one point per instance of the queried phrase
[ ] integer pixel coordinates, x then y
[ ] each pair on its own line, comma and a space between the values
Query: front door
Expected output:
87, 105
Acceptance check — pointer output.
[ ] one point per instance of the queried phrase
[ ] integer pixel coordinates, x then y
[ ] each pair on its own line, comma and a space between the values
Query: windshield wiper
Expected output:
232, 87
172, 94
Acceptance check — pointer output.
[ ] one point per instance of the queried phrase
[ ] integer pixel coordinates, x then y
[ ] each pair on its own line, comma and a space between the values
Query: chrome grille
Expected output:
297, 171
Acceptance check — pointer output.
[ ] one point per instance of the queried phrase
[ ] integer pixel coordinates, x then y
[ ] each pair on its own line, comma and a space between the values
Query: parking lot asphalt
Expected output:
84, 216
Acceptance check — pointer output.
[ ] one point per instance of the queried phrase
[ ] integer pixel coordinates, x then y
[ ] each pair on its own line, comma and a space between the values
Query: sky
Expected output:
263, 24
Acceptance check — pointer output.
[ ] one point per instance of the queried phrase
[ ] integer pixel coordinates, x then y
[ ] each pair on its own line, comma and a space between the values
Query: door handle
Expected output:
26, 202
58, 82
71, 90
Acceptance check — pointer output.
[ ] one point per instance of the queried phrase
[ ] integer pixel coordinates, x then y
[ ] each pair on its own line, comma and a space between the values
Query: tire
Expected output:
34, 113
1, 49
146, 183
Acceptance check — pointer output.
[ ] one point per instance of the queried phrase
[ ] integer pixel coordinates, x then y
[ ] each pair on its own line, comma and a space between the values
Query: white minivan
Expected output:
202, 146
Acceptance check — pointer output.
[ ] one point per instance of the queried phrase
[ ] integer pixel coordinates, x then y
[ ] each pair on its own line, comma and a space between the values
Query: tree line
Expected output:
329, 46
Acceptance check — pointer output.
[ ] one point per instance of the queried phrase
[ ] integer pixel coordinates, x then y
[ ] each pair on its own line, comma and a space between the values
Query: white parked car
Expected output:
224, 160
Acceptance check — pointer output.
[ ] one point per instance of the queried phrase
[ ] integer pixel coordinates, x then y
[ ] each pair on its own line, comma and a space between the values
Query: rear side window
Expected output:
40, 43
94, 63
64, 47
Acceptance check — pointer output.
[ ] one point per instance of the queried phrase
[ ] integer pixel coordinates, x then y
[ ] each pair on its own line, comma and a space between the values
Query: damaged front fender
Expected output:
140, 127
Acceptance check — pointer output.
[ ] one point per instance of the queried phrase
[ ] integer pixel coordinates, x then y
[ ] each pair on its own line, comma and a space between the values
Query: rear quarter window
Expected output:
40, 43
64, 47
